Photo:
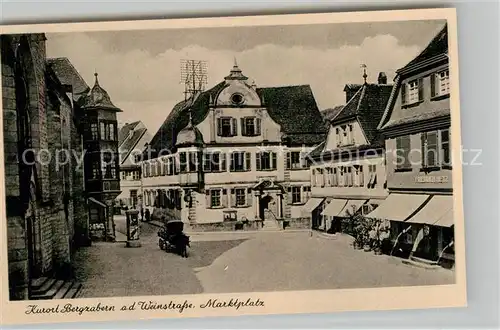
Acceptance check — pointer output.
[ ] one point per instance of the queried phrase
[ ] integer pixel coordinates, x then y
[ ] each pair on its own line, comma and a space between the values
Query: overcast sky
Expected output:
141, 69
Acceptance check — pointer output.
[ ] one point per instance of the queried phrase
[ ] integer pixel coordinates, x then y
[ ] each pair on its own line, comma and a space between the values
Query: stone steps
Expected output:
46, 288
270, 225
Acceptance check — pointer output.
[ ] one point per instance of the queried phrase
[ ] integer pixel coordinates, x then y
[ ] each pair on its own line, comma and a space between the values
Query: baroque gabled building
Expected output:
233, 157
416, 128
132, 138
43, 180
348, 167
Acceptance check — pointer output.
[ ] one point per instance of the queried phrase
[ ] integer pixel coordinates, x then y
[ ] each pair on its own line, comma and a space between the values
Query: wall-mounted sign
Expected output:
431, 179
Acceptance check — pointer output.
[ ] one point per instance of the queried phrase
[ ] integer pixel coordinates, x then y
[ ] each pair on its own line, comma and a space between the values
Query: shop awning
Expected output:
398, 207
446, 220
436, 208
95, 201
352, 206
334, 207
312, 204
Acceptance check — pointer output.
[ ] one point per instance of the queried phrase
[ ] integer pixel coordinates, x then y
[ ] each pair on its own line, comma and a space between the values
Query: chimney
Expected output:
382, 78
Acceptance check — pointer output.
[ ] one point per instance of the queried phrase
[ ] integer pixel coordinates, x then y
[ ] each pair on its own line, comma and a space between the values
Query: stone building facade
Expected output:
416, 127
233, 157
348, 172
41, 190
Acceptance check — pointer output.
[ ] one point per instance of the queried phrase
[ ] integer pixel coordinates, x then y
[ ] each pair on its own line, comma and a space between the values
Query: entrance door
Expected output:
264, 204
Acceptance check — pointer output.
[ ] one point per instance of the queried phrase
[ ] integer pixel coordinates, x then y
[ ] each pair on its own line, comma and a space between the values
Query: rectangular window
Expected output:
413, 91
240, 195
193, 162
403, 152
96, 169
108, 131
109, 168
335, 179
337, 136
226, 126
295, 160
215, 198
436, 149
266, 161
342, 180
136, 175
445, 147
94, 131
296, 195
238, 163
443, 82
351, 134
349, 176
328, 179
372, 174
183, 162
124, 175
248, 126
430, 149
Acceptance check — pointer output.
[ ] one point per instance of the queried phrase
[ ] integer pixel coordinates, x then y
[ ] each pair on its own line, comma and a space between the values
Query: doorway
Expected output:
264, 204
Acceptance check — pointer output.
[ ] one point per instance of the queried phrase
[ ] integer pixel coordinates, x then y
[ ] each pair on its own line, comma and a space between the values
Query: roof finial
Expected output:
364, 72
235, 62
190, 117
96, 80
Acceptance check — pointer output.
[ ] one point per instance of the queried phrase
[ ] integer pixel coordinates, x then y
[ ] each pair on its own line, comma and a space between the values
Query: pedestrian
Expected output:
142, 213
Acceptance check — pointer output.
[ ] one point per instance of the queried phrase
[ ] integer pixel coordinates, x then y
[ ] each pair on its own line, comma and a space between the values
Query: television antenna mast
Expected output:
194, 77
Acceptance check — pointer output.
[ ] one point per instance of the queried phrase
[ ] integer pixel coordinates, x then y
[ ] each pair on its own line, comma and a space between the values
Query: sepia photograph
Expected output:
205, 159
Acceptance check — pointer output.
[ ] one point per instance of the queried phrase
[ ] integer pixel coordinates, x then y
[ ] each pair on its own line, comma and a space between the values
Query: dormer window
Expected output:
440, 83
226, 126
412, 92
237, 99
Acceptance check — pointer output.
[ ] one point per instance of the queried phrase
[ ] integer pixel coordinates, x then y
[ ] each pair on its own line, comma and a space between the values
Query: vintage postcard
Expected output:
231, 166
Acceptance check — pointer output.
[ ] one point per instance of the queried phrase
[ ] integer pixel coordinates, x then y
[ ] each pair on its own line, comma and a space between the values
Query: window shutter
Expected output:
249, 197
224, 197
232, 164
406, 146
288, 161
257, 161
257, 126
248, 161
403, 93
206, 162
223, 166
423, 154
208, 204
421, 89
243, 127
289, 195
432, 148
433, 85
219, 126
234, 127
233, 197
274, 160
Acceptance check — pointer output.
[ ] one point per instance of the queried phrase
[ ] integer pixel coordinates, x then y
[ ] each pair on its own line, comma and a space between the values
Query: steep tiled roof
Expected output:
330, 113
125, 130
292, 107
295, 109
68, 75
128, 142
367, 105
437, 46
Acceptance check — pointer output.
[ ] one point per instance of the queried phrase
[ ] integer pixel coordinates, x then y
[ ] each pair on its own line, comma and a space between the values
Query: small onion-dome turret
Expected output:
99, 98
189, 135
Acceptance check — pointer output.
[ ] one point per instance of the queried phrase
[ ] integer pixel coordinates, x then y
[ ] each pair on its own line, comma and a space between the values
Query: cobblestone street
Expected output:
240, 262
